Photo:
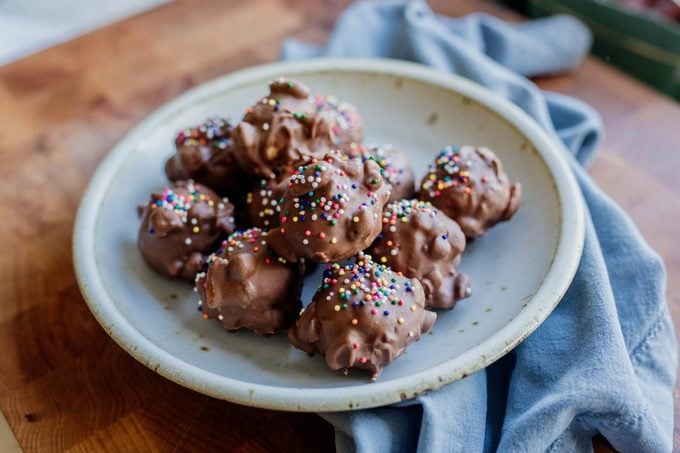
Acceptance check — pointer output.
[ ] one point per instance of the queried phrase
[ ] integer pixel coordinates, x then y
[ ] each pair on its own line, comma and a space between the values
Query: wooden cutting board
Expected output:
63, 383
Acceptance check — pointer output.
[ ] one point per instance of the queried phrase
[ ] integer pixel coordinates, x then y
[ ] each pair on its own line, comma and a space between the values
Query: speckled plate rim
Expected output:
548, 295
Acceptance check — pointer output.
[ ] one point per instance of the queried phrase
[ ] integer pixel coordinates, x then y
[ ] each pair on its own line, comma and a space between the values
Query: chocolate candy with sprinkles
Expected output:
394, 164
290, 126
205, 155
363, 315
180, 226
343, 121
469, 185
245, 285
263, 204
331, 210
421, 242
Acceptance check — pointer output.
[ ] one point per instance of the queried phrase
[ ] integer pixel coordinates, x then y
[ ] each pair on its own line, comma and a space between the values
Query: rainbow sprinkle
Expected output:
254, 238
365, 285
401, 211
348, 116
388, 169
215, 131
312, 209
269, 205
180, 203
455, 172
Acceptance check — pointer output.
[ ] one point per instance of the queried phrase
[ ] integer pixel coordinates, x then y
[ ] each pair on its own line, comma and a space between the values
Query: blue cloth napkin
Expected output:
604, 361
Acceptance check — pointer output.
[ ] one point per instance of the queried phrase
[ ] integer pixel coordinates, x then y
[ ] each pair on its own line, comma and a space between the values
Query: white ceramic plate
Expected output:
519, 271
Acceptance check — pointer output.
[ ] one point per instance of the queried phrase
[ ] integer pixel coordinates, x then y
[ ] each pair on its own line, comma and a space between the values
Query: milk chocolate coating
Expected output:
332, 209
180, 225
396, 168
263, 204
346, 126
363, 315
245, 285
469, 185
290, 126
205, 154
419, 241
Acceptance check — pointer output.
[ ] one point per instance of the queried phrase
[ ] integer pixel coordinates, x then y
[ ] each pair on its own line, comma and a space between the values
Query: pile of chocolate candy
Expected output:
252, 207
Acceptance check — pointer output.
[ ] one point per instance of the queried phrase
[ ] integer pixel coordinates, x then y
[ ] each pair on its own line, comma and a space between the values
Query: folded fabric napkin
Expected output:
604, 361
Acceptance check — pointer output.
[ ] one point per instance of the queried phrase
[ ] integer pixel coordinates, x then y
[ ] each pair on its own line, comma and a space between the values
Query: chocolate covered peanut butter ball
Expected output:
245, 285
395, 166
290, 126
421, 242
331, 210
469, 185
180, 225
363, 315
205, 155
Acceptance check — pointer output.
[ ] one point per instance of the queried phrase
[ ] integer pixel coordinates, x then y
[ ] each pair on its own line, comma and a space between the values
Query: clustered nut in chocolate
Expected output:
395, 166
205, 155
180, 226
421, 242
323, 196
469, 185
263, 204
290, 126
363, 315
331, 210
246, 286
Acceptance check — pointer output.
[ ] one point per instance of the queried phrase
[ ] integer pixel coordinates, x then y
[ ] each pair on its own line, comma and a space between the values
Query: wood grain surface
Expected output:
64, 385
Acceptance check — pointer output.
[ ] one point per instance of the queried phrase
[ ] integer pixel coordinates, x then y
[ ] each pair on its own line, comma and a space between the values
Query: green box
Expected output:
644, 46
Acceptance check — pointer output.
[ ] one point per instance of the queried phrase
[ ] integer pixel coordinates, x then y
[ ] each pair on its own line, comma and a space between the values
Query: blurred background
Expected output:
642, 37
28, 26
